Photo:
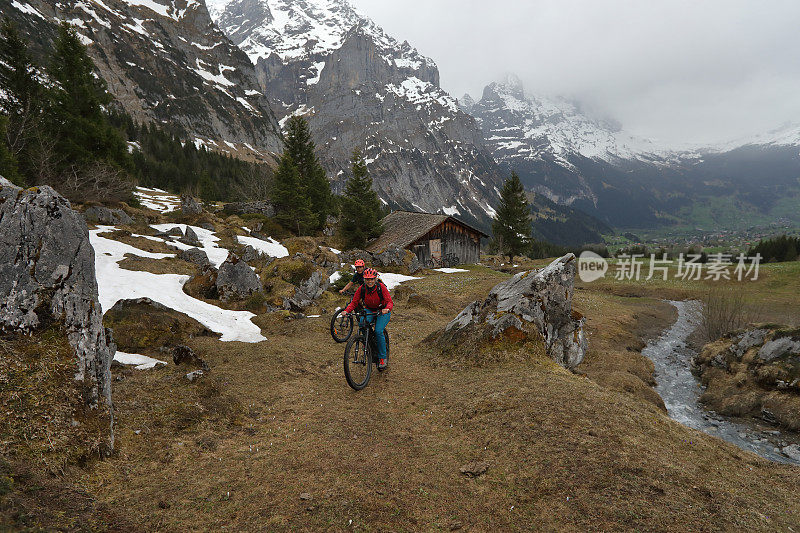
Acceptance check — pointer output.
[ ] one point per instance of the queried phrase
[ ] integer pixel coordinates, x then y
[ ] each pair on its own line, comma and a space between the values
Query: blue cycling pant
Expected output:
380, 324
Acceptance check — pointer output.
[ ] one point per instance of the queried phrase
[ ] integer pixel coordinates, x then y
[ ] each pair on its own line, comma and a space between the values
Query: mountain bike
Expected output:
341, 326
361, 352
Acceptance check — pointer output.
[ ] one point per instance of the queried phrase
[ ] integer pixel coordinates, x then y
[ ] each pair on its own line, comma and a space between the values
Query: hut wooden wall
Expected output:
459, 240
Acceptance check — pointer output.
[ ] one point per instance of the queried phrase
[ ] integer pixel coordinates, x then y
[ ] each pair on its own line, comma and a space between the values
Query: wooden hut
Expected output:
436, 240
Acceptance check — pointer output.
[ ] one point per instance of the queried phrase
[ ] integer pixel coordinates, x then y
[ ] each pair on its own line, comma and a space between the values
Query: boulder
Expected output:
250, 256
308, 291
244, 208
183, 355
175, 232
780, 347
98, 214
755, 372
190, 206
393, 255
792, 451
190, 237
203, 285
47, 275
532, 304
196, 256
236, 280
350, 256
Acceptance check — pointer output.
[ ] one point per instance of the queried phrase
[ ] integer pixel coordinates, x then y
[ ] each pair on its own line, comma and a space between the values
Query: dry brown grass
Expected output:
274, 420
168, 265
564, 453
46, 435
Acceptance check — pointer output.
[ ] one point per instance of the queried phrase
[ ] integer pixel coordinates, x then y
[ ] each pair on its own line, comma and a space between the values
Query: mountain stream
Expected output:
681, 392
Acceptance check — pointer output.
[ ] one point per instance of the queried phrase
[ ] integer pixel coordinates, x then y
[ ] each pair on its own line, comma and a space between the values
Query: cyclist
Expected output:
358, 277
374, 296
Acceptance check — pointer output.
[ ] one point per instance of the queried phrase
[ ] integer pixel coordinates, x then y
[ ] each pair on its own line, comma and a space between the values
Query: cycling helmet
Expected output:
370, 273
359, 263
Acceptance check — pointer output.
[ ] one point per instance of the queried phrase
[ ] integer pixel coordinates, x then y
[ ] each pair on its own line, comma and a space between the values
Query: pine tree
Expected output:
301, 149
85, 134
791, 251
8, 164
512, 224
21, 99
361, 209
292, 204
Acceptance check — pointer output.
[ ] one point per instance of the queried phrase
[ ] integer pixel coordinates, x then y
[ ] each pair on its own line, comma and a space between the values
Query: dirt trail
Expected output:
275, 440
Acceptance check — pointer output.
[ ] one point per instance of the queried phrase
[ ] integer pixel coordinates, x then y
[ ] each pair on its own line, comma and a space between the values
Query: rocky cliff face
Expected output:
47, 275
361, 88
166, 62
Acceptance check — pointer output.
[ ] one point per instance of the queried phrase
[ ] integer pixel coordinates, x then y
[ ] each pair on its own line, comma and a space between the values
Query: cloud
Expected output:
679, 70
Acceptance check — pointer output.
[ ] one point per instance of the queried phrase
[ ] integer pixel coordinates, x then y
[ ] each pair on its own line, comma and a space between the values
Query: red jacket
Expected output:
372, 299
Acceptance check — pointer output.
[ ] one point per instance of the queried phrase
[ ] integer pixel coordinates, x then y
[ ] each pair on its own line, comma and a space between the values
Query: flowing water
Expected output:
681, 391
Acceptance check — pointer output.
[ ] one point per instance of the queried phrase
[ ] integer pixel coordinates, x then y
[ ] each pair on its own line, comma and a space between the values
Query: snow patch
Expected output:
28, 9
115, 283
270, 247
208, 242
141, 362
393, 280
317, 67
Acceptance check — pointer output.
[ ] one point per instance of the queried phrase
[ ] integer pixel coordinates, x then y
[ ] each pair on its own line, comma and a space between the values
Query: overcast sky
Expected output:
678, 71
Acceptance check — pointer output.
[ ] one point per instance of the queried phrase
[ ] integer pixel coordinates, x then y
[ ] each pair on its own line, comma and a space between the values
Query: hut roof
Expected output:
404, 227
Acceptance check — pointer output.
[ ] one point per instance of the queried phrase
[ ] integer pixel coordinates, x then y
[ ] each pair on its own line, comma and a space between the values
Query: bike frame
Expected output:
367, 328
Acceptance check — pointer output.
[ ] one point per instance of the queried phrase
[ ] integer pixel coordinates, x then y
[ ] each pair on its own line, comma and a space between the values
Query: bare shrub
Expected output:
97, 182
256, 184
725, 310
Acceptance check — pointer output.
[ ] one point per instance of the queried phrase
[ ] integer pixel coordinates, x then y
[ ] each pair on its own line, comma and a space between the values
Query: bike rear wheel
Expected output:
357, 363
341, 326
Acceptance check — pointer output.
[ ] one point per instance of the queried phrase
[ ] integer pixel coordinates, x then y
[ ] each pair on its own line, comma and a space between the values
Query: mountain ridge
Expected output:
165, 63
625, 181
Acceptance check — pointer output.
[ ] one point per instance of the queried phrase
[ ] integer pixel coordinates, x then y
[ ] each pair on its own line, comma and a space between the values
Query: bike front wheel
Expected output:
341, 326
357, 363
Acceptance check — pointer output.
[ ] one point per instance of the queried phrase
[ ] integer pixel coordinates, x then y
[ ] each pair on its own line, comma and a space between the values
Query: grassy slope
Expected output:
276, 419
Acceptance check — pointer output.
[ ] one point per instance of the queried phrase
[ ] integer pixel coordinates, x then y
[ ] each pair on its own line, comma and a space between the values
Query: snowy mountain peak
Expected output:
297, 29
519, 125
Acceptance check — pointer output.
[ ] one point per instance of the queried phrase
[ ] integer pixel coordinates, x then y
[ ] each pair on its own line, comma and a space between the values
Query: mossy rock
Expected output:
304, 245
475, 345
276, 290
143, 326
294, 270
203, 286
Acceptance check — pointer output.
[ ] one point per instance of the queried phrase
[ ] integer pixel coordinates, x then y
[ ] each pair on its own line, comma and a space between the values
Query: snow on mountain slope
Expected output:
518, 125
786, 135
361, 88
298, 29
165, 62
